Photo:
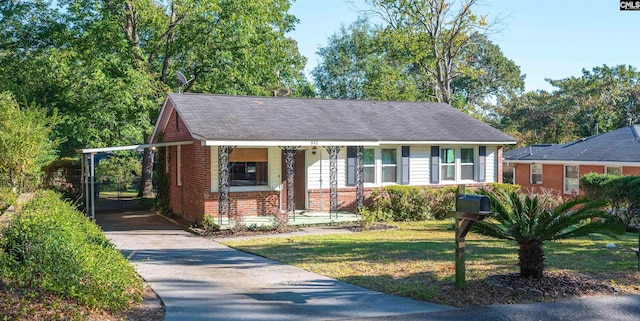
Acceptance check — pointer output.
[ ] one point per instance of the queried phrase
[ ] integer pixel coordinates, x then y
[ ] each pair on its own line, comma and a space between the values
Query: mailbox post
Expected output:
469, 208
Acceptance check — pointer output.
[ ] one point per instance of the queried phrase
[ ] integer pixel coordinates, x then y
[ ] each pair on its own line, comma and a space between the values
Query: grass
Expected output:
416, 260
123, 194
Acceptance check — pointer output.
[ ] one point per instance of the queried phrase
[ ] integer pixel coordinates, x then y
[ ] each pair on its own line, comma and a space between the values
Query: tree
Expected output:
496, 77
356, 64
606, 97
108, 64
432, 35
529, 222
25, 145
536, 117
601, 100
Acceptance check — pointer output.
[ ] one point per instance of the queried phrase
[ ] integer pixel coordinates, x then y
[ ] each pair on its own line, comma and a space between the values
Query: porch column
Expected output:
359, 177
223, 181
333, 178
290, 163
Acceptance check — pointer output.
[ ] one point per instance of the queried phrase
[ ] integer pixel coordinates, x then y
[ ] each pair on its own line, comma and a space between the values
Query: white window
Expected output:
389, 166
448, 164
536, 173
369, 165
178, 166
571, 179
467, 164
613, 170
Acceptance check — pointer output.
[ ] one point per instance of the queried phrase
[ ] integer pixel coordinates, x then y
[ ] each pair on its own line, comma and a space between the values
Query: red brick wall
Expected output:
630, 170
586, 169
188, 199
552, 176
173, 133
245, 203
320, 199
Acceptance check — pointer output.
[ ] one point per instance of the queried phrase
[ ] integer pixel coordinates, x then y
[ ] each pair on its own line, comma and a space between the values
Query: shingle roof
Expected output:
620, 145
221, 117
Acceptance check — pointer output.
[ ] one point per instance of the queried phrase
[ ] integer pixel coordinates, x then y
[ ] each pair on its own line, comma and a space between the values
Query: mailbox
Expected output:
474, 204
471, 208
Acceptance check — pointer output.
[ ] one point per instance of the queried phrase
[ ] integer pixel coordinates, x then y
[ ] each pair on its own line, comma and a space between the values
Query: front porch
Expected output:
297, 219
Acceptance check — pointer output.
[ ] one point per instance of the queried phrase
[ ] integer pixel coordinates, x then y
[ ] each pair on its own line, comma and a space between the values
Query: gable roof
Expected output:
620, 145
247, 118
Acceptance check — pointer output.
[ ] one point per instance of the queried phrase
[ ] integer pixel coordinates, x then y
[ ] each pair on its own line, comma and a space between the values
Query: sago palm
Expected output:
524, 219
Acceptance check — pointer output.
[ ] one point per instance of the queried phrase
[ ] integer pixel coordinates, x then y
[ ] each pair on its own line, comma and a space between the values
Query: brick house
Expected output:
258, 155
558, 167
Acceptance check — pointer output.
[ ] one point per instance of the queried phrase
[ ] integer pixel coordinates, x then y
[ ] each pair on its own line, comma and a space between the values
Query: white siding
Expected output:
419, 165
492, 164
214, 168
318, 169
275, 168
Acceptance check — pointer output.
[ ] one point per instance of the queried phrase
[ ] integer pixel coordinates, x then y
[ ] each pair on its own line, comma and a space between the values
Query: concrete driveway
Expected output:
199, 279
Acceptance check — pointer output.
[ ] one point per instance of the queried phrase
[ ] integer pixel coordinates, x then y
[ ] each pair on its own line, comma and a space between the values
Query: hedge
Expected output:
51, 247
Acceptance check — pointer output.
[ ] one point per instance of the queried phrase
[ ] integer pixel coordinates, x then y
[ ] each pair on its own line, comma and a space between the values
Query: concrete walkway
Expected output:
199, 279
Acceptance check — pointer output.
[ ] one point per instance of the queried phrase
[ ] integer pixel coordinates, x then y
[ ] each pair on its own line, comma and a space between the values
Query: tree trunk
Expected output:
145, 188
531, 257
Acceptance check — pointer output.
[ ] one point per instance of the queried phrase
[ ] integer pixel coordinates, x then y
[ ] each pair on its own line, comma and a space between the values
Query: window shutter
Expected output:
482, 165
351, 166
435, 164
406, 151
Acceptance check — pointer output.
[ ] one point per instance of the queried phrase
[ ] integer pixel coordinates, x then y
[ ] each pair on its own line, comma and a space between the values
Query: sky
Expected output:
552, 39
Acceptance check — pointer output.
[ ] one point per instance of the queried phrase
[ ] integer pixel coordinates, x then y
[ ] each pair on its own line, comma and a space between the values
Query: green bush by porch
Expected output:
403, 203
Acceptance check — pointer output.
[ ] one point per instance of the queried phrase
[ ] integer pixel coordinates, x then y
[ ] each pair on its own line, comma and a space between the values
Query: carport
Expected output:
88, 169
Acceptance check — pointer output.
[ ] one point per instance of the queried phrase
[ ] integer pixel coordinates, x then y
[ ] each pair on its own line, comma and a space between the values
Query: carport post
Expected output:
85, 183
93, 198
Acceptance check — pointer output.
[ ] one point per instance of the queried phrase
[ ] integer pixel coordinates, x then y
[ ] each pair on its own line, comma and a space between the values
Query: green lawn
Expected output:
416, 260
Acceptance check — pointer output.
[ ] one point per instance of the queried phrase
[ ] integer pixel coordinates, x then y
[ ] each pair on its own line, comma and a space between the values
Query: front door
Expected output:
299, 182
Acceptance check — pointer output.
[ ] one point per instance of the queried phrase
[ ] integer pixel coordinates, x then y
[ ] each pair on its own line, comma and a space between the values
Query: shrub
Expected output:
50, 246
7, 198
411, 203
622, 194
209, 223
64, 176
501, 188
25, 143
372, 216
442, 200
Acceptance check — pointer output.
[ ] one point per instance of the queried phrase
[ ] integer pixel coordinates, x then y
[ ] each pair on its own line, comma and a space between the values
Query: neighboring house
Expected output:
560, 166
237, 152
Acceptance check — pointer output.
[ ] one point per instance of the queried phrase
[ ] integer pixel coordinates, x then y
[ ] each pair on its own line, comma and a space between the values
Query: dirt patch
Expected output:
370, 227
243, 232
512, 289
23, 304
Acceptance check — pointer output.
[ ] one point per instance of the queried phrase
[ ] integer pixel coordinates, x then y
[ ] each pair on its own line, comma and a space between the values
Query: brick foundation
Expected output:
245, 203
